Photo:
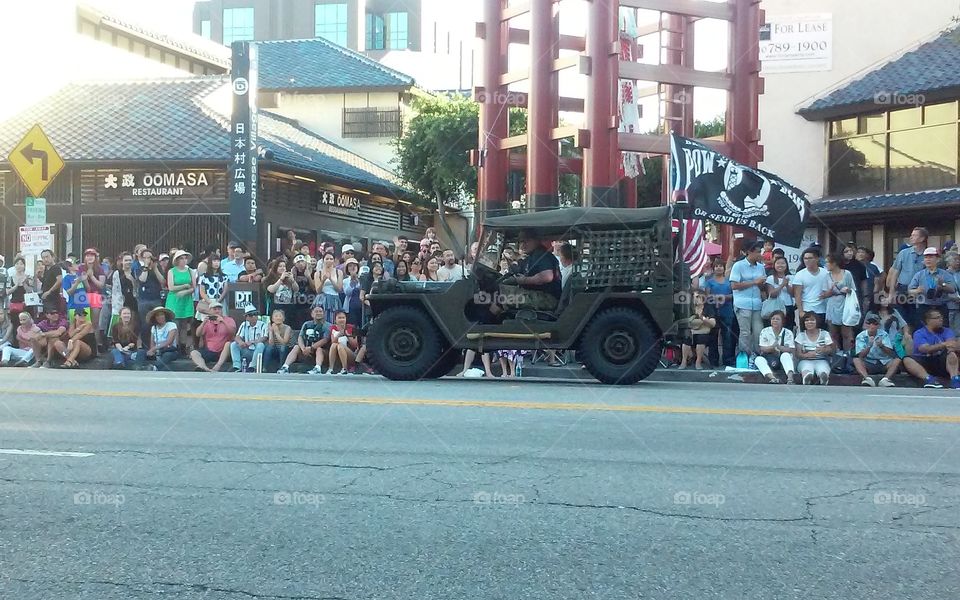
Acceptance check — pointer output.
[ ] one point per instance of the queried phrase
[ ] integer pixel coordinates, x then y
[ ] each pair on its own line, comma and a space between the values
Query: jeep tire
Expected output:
619, 346
404, 344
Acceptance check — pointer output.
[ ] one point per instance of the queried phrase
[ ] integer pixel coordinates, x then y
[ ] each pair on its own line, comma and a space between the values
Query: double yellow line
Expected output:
567, 406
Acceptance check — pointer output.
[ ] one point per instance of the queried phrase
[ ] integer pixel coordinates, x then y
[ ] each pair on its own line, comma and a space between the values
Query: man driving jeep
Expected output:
536, 284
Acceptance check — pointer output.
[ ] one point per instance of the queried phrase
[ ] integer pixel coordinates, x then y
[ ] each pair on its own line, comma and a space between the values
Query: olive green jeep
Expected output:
624, 296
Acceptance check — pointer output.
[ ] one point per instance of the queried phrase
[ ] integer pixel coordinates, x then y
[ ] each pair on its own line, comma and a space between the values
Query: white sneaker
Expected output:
885, 382
824, 378
868, 382
808, 379
283, 370
314, 371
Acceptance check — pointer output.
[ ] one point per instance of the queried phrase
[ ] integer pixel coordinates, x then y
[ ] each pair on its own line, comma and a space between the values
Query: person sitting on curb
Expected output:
701, 324
814, 345
81, 341
343, 345
776, 349
164, 339
314, 337
934, 352
126, 340
278, 338
215, 333
250, 341
23, 353
875, 354
53, 331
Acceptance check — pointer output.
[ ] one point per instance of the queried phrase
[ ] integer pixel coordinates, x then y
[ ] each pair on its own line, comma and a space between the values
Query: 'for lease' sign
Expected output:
797, 43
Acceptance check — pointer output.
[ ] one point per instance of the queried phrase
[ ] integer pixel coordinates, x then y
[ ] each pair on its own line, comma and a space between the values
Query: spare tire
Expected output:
404, 344
619, 346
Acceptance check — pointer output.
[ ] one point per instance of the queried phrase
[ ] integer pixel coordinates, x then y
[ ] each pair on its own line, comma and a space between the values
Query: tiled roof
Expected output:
172, 120
830, 206
318, 64
932, 69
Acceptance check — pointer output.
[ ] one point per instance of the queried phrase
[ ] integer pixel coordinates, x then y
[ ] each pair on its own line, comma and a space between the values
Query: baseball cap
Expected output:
299, 258
164, 256
931, 251
872, 319
251, 310
347, 248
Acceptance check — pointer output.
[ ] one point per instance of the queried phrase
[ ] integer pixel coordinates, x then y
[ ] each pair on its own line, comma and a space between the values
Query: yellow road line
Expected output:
571, 406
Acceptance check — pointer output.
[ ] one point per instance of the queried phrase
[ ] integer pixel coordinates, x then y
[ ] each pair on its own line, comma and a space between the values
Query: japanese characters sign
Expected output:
129, 184
243, 171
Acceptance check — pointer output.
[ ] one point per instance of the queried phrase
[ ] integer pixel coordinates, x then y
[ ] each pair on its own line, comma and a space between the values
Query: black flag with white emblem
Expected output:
727, 192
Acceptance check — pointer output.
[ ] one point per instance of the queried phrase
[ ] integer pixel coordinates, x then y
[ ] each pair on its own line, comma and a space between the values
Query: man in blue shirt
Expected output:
929, 287
748, 277
232, 266
934, 352
908, 262
875, 354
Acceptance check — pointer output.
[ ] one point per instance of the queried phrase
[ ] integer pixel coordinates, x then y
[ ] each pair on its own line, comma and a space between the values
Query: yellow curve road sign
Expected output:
36, 161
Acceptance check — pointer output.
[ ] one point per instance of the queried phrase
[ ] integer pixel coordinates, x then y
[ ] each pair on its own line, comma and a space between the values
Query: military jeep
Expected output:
616, 308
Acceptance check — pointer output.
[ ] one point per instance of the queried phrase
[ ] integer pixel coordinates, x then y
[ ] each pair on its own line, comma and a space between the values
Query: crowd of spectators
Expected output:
838, 313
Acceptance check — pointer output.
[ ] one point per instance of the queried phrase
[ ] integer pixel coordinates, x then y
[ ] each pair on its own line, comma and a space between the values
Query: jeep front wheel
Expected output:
619, 346
404, 343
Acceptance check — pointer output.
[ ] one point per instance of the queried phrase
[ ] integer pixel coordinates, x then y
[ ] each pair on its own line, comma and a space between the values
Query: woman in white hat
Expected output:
164, 337
181, 282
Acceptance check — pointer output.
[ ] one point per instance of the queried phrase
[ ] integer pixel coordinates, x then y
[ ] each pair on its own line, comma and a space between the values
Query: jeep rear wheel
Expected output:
619, 346
404, 344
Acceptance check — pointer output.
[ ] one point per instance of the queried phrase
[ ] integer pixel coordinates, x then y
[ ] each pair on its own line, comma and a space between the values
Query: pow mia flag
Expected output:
729, 193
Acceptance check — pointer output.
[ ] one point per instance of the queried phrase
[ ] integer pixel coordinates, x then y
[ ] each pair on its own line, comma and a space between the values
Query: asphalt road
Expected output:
194, 486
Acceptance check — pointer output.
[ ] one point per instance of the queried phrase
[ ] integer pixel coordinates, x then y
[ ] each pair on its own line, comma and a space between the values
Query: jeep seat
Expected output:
527, 314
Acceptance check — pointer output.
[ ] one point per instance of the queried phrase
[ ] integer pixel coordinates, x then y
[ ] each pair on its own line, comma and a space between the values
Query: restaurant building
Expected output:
146, 162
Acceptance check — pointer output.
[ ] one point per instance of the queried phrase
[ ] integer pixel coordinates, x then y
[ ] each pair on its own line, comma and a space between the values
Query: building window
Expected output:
237, 25
903, 150
371, 122
331, 22
375, 32
205, 28
397, 30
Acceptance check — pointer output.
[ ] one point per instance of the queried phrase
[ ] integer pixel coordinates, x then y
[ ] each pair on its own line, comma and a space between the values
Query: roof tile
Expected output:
318, 63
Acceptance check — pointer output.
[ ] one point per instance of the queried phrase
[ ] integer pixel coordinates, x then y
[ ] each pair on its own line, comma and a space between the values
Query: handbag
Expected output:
772, 305
851, 311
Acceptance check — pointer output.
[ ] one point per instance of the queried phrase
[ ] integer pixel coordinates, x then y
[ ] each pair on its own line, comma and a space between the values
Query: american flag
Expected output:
693, 246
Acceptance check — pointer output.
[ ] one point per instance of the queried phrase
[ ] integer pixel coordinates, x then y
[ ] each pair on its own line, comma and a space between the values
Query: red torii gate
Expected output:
598, 57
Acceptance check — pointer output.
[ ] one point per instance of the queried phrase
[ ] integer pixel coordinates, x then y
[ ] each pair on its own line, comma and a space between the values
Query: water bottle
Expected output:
743, 361
243, 365
519, 368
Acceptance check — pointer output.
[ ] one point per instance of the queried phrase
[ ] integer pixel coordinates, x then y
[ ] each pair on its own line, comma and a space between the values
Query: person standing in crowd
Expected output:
94, 281
352, 290
251, 272
282, 289
73, 287
720, 296
403, 271
347, 251
767, 256
163, 262
81, 340
126, 338
779, 285
875, 354
814, 346
701, 323
27, 334
416, 268
250, 342
233, 266
841, 286
380, 249
124, 289
450, 271
930, 287
181, 283
748, 277
874, 283
313, 338
306, 296
776, 349
953, 300
278, 339
137, 264
856, 269
934, 354
164, 339
213, 286
431, 272
215, 333
329, 283
150, 285
366, 286
811, 288
908, 263
53, 331
19, 285
51, 287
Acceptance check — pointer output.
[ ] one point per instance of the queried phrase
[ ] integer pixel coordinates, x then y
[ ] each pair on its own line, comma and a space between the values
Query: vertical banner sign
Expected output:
244, 178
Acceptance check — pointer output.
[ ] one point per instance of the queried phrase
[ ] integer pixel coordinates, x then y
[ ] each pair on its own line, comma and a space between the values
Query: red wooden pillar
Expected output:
492, 198
543, 152
600, 160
